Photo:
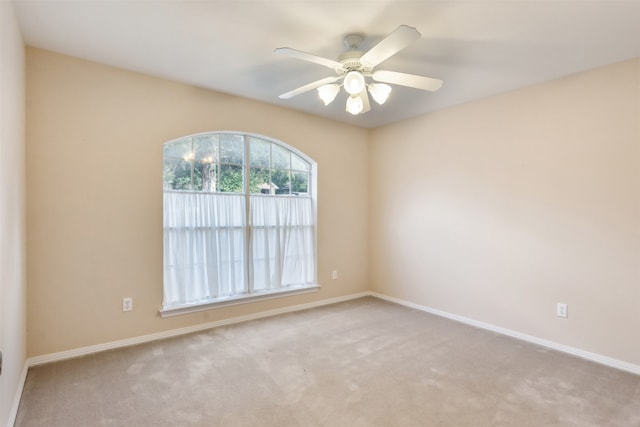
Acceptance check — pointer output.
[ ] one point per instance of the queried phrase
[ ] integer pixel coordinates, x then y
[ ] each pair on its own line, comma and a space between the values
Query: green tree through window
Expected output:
218, 163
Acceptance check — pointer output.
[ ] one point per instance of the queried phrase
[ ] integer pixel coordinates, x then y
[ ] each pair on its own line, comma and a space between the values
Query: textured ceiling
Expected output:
478, 48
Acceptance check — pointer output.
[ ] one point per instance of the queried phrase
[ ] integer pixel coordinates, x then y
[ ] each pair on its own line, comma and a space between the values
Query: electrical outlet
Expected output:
127, 304
334, 274
561, 310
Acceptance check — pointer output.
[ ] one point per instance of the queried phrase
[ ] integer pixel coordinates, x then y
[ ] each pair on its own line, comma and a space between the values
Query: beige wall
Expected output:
494, 210
94, 197
498, 209
13, 328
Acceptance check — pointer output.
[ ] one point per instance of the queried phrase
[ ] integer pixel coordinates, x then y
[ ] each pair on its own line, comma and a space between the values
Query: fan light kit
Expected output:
354, 67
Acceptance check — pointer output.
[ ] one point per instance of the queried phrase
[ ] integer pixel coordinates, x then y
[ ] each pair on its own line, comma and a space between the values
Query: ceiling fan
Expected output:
354, 67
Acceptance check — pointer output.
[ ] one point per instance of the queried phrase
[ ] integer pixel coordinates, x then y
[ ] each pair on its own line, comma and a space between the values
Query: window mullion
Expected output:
248, 234
192, 164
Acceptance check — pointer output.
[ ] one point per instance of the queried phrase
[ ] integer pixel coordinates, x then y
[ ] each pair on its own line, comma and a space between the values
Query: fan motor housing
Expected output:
351, 61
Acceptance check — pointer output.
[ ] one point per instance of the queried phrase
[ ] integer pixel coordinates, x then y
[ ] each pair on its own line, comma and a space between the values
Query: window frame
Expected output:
312, 194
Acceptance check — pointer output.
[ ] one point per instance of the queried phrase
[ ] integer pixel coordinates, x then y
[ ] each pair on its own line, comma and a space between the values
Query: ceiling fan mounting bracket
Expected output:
352, 41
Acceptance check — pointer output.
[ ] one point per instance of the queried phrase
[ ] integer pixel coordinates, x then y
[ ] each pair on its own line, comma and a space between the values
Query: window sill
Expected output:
235, 300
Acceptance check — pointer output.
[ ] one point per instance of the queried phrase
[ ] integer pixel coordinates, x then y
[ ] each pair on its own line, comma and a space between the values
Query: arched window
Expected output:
239, 220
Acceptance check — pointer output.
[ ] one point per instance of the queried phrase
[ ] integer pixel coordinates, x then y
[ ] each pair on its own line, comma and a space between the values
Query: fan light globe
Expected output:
353, 82
354, 105
380, 92
328, 93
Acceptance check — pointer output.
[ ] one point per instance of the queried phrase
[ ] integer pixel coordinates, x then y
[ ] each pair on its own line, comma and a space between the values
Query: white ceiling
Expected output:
478, 47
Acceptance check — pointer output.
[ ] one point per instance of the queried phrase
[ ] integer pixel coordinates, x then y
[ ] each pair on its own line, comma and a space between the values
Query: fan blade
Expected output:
410, 80
366, 106
308, 87
397, 40
298, 54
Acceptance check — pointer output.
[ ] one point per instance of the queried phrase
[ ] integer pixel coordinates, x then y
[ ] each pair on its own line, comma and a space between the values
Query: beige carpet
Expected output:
361, 363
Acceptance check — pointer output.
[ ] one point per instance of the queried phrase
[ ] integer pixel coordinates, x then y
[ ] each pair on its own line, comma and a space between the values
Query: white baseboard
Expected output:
83, 351
18, 396
604, 360
54, 357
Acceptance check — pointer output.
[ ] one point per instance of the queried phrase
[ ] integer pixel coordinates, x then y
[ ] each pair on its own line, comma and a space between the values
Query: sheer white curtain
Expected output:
204, 255
204, 245
283, 248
